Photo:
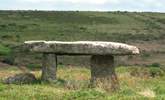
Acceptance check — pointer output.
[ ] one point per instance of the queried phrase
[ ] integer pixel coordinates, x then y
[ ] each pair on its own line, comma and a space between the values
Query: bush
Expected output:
155, 65
9, 60
7, 36
146, 72
4, 50
9, 56
3, 26
156, 72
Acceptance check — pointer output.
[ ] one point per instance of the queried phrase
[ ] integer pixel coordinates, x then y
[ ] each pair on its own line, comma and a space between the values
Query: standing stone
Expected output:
103, 72
49, 67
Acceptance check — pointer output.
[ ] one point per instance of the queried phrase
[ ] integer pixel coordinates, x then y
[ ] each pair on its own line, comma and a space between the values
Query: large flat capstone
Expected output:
81, 48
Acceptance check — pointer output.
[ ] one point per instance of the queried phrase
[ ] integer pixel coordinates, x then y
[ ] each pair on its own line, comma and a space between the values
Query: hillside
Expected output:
145, 30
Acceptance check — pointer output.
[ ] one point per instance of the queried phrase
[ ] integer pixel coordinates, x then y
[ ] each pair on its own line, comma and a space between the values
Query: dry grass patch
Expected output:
147, 93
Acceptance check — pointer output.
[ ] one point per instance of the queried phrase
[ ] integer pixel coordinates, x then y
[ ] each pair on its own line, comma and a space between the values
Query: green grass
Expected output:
72, 84
4, 50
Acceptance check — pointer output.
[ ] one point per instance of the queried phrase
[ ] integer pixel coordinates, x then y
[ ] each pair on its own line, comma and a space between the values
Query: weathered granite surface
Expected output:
103, 72
49, 67
81, 47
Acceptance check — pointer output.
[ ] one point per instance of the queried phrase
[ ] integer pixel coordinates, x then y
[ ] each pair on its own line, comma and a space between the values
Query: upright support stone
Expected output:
103, 72
49, 67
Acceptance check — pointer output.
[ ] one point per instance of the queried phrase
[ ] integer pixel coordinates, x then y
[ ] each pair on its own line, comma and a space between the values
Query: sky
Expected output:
85, 5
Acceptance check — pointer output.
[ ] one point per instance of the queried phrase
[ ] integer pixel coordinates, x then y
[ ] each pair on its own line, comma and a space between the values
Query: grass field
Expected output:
73, 84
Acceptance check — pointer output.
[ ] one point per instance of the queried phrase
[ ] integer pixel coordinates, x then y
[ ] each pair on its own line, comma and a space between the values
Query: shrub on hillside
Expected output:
155, 65
7, 36
4, 50
156, 72
146, 72
9, 60
8, 54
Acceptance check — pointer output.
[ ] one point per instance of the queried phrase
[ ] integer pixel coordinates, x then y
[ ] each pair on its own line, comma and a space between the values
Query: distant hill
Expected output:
145, 30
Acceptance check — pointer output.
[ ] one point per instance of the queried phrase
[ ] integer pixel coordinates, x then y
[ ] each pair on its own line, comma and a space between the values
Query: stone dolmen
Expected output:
102, 58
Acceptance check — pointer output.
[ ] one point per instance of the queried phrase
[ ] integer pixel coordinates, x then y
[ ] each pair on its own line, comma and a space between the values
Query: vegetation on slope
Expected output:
70, 26
4, 50
145, 30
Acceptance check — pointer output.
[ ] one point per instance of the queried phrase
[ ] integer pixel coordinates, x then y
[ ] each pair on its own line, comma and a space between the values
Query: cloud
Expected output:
101, 5
97, 2
100, 2
88, 1
36, 0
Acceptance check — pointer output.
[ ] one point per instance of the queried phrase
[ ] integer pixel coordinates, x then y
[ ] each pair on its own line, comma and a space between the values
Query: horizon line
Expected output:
44, 10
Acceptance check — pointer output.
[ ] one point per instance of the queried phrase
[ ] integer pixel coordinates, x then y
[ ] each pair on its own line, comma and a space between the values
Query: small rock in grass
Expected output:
22, 78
